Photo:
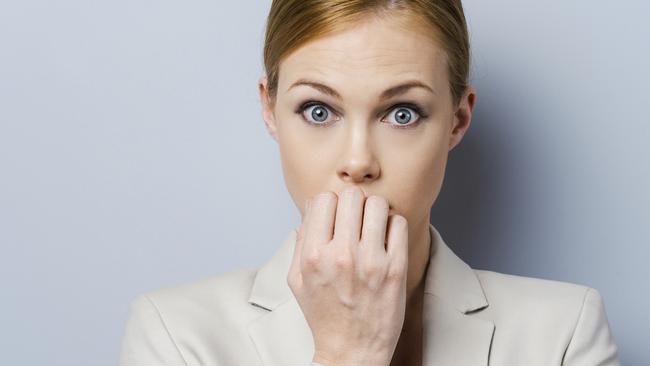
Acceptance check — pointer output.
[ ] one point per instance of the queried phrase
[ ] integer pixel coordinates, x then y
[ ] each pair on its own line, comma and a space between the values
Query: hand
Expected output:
348, 275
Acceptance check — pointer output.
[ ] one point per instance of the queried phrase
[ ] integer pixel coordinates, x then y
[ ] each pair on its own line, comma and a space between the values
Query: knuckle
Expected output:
395, 275
372, 269
312, 260
343, 261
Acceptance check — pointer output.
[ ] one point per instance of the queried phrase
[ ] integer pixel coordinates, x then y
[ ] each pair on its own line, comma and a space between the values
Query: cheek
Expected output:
414, 175
305, 167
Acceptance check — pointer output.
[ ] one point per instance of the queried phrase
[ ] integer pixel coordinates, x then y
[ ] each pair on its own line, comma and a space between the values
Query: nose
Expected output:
358, 161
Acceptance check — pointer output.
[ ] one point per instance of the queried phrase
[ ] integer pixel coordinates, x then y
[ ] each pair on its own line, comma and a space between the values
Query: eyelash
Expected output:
310, 103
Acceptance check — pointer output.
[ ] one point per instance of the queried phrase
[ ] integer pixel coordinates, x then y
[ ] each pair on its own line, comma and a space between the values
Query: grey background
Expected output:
133, 156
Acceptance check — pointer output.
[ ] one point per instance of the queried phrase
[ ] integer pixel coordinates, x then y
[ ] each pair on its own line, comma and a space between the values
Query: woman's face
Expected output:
371, 107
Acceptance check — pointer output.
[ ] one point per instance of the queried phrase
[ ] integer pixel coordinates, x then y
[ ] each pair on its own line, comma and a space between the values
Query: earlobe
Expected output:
267, 109
462, 117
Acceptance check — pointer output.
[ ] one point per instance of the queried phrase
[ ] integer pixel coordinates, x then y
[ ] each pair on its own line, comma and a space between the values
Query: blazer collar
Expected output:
453, 293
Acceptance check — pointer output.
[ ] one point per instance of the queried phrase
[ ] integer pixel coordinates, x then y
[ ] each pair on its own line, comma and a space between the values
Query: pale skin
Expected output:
397, 173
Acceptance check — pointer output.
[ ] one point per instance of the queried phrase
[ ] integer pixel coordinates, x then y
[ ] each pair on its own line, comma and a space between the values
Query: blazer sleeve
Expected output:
146, 340
592, 342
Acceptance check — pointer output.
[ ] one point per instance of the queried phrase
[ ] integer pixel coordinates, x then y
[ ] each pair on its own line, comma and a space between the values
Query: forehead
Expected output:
373, 52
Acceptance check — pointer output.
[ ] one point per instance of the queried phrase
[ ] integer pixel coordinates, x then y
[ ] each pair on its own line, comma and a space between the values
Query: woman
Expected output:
365, 100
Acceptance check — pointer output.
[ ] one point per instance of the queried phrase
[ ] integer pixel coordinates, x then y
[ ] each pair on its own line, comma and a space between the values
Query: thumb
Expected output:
295, 273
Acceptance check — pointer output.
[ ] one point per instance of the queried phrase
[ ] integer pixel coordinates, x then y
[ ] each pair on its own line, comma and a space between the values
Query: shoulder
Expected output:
501, 287
221, 295
530, 299
235, 283
171, 323
529, 311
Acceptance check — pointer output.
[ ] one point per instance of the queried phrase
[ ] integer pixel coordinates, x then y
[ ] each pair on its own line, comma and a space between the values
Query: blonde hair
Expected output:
292, 23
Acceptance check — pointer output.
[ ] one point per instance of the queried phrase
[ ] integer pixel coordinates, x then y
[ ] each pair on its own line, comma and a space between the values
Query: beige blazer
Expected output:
249, 317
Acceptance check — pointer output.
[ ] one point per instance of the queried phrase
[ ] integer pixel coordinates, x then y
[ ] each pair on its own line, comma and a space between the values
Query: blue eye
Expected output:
315, 113
403, 115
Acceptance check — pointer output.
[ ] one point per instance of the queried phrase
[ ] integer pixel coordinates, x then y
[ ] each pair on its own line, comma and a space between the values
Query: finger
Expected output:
375, 218
349, 215
295, 272
397, 243
321, 220
303, 220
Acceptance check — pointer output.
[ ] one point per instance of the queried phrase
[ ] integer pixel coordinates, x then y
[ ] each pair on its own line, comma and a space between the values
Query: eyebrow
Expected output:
386, 94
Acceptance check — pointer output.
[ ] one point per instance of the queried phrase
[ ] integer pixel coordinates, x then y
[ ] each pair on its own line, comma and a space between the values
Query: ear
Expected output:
267, 108
462, 116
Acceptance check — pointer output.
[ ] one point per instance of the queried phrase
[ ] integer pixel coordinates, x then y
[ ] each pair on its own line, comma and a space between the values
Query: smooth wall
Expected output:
133, 156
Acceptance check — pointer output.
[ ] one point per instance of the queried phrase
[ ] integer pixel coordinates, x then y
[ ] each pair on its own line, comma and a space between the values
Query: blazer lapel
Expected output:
282, 336
453, 295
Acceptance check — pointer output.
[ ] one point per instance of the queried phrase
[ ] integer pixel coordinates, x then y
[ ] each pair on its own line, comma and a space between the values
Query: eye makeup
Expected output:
300, 110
